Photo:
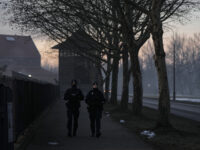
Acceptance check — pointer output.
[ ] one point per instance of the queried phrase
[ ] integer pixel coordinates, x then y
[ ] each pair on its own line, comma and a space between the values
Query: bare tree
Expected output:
126, 78
148, 69
159, 11
135, 32
187, 65
59, 19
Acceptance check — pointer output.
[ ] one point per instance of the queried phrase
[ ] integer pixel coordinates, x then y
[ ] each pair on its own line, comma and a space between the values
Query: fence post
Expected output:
3, 119
9, 97
6, 119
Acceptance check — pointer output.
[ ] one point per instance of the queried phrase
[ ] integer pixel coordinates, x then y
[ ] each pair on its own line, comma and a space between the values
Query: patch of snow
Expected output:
9, 38
122, 121
187, 99
149, 134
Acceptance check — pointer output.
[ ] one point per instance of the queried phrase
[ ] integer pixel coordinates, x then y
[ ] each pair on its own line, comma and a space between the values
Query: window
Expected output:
66, 53
9, 38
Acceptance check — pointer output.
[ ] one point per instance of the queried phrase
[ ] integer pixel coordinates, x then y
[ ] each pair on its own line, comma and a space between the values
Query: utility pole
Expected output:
174, 73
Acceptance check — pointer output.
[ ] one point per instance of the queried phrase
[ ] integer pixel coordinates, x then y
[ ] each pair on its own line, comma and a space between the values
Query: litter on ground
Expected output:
53, 143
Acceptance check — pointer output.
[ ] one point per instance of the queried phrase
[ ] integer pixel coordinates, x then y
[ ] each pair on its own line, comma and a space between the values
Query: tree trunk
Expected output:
125, 90
115, 71
137, 82
136, 73
99, 76
100, 79
157, 35
107, 81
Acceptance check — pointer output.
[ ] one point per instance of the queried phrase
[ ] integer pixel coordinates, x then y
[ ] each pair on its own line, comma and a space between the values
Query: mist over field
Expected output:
187, 71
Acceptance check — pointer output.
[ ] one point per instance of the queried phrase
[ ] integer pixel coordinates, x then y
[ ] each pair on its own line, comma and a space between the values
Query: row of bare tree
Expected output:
187, 65
119, 28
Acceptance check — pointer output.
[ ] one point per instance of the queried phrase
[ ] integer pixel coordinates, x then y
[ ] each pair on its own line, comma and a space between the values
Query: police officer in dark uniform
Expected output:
95, 101
73, 96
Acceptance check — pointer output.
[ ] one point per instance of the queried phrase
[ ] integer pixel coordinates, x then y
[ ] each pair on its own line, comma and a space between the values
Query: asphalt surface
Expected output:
52, 134
190, 111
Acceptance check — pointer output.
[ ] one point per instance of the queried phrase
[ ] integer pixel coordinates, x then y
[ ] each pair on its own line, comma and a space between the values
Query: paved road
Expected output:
190, 111
53, 129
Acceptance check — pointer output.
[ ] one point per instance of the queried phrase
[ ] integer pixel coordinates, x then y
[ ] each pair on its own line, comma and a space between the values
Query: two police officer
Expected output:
94, 100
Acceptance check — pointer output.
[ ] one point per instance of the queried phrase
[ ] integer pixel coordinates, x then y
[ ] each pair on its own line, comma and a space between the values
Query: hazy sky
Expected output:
49, 56
188, 28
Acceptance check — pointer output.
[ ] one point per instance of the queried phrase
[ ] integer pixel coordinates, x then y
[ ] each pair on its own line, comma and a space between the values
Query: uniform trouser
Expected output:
95, 120
72, 117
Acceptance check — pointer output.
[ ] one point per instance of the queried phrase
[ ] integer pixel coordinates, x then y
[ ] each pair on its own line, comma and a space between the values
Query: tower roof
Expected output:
79, 40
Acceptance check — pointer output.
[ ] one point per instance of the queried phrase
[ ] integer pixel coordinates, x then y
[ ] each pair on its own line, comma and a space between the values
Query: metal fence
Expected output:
20, 104
6, 122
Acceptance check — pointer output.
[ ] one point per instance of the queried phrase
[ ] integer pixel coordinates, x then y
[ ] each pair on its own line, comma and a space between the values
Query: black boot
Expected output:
69, 134
93, 134
74, 133
98, 135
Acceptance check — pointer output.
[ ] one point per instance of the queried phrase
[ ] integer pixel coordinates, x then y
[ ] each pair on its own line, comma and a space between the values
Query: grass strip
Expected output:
185, 134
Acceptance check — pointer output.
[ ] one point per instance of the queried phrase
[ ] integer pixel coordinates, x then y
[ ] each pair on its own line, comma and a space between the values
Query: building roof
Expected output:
17, 46
79, 40
34, 72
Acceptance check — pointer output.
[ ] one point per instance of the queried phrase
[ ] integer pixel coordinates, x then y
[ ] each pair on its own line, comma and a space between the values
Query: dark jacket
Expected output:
73, 96
95, 100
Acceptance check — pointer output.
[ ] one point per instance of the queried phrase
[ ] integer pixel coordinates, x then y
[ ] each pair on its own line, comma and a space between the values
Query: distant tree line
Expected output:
119, 28
187, 66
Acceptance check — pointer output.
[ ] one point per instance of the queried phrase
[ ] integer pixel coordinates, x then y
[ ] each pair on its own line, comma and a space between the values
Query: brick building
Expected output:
73, 65
19, 54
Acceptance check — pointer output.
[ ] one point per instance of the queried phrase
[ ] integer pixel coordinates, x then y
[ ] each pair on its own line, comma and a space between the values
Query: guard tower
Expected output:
72, 65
